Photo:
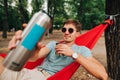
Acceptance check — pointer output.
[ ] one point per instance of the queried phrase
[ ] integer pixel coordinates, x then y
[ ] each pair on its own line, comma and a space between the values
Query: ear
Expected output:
78, 34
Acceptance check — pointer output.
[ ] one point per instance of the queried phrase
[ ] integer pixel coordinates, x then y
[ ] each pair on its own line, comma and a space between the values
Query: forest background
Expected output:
13, 13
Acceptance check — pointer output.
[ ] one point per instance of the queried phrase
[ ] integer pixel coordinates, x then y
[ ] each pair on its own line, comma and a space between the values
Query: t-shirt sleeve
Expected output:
84, 51
51, 45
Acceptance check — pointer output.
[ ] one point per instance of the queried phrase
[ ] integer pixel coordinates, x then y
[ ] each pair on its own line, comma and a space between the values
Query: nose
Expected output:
67, 32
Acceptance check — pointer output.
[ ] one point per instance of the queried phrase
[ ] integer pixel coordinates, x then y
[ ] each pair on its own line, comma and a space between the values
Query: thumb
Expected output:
18, 35
40, 45
24, 25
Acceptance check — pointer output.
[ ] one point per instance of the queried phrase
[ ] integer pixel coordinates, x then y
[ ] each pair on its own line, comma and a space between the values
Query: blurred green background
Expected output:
13, 13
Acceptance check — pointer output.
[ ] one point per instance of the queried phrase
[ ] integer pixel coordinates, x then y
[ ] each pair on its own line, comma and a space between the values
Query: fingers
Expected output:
24, 25
12, 43
60, 48
64, 49
18, 35
40, 45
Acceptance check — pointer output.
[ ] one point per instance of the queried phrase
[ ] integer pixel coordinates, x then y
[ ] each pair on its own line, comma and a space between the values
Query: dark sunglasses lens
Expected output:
70, 30
63, 30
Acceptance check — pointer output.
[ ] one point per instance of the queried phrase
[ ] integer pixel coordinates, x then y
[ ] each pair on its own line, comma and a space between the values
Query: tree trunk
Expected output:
5, 22
112, 40
23, 12
112, 7
51, 11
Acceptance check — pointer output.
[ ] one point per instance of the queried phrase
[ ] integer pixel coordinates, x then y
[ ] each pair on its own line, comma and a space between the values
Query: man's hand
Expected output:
12, 43
64, 49
17, 36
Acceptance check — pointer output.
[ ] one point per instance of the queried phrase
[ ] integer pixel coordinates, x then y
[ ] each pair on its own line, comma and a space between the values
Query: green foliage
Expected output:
88, 12
58, 21
36, 5
22, 7
14, 18
17, 14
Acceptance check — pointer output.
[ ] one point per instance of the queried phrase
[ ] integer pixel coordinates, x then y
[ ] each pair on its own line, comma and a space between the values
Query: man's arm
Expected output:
92, 66
42, 53
1, 65
89, 63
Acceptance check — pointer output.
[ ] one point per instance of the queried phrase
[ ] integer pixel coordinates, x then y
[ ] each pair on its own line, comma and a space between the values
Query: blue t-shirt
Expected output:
54, 63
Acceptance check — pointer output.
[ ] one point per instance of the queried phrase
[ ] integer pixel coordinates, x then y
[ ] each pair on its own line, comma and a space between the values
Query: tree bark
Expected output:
51, 11
5, 22
112, 7
112, 40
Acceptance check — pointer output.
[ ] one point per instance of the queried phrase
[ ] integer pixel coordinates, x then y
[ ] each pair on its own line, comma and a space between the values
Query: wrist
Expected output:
75, 55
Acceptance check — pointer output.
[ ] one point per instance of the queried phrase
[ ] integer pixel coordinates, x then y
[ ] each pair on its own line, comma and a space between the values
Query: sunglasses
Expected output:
70, 30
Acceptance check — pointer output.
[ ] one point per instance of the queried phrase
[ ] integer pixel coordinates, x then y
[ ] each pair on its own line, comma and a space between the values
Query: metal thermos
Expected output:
33, 33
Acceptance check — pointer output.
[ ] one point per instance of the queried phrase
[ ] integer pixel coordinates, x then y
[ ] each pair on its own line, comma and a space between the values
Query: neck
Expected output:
69, 43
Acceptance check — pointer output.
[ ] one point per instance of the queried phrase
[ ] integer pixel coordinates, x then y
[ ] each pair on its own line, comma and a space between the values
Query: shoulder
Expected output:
81, 47
51, 44
83, 50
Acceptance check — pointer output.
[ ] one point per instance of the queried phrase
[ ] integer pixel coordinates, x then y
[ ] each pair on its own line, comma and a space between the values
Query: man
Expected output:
57, 56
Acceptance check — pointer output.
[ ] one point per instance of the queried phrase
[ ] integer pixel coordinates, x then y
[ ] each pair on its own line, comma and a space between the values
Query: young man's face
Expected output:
69, 32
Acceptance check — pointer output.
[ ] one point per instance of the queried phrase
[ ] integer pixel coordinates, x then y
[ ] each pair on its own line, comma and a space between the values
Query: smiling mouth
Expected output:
67, 36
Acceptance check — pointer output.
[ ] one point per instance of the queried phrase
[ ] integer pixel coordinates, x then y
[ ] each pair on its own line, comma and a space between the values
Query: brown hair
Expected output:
76, 23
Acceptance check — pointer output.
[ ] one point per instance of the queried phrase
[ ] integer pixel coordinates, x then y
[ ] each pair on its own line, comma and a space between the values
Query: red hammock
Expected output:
87, 39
